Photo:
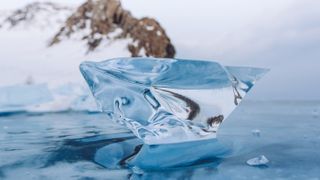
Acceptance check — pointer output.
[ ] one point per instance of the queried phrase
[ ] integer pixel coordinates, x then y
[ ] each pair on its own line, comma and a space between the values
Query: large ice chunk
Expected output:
168, 100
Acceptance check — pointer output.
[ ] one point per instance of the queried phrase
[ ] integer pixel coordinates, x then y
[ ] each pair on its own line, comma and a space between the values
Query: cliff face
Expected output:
105, 20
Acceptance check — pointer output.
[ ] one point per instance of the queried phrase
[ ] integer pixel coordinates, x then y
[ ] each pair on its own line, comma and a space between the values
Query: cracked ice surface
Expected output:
168, 100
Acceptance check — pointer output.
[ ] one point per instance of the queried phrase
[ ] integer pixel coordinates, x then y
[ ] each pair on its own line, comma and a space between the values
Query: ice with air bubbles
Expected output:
165, 101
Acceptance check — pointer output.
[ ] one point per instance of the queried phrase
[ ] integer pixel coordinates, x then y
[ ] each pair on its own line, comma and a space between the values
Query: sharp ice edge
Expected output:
168, 100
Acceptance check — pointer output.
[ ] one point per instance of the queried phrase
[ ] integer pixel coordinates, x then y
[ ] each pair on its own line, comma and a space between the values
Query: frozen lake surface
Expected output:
64, 145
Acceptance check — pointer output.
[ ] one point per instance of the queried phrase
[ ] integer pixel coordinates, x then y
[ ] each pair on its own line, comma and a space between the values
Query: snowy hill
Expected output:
37, 15
48, 41
106, 21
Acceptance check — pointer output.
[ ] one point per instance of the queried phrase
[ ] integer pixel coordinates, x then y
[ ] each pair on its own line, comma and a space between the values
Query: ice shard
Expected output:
166, 101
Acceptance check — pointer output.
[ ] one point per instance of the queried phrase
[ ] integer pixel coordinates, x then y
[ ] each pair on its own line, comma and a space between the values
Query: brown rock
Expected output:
103, 17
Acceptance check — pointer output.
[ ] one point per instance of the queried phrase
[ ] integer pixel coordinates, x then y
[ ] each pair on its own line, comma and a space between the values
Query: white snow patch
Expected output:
142, 52
135, 43
26, 53
149, 28
115, 33
159, 33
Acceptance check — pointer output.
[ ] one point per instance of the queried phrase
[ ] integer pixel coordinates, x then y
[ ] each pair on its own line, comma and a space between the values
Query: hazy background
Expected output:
281, 35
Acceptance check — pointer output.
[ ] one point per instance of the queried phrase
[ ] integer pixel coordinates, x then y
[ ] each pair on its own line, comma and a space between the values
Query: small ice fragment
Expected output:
256, 132
258, 161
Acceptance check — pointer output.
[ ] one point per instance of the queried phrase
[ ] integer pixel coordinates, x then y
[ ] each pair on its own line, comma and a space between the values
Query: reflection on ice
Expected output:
132, 153
164, 156
81, 146
168, 100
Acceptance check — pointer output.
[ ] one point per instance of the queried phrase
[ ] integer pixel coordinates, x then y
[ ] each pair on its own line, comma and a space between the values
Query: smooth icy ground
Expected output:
54, 146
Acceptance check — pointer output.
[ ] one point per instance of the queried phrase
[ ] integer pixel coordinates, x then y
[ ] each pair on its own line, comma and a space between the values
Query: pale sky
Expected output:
281, 35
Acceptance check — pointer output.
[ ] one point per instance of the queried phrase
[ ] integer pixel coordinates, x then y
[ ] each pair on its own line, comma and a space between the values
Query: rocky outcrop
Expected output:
97, 22
106, 20
43, 14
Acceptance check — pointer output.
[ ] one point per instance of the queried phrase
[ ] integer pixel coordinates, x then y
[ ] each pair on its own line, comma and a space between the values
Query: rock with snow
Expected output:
106, 20
96, 30
36, 15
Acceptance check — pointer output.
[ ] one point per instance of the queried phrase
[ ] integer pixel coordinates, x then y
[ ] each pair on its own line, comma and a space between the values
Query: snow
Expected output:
115, 33
26, 53
42, 17
149, 28
55, 82
3, 15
